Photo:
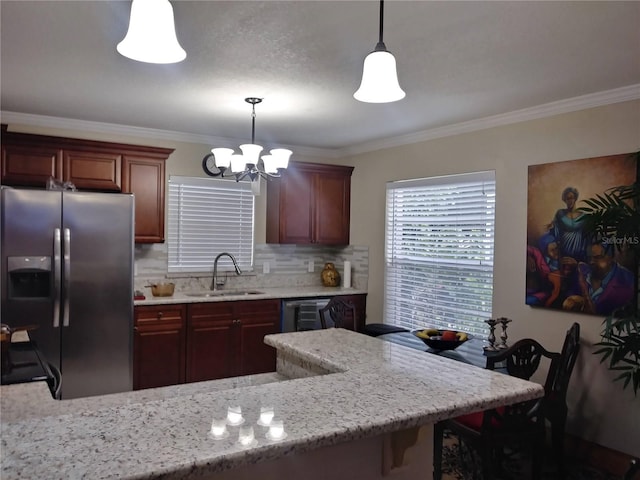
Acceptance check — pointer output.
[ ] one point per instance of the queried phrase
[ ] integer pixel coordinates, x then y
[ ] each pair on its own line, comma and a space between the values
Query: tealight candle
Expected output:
266, 415
234, 416
276, 430
246, 436
219, 428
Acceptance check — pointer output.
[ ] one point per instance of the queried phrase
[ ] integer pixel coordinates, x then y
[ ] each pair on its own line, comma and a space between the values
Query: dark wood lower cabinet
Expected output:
226, 339
159, 346
194, 342
210, 341
257, 319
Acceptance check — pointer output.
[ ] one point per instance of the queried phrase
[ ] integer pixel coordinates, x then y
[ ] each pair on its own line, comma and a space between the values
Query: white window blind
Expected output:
439, 252
208, 217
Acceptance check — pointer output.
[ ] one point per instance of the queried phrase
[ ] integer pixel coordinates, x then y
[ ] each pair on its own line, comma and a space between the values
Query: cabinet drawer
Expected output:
257, 310
159, 314
206, 313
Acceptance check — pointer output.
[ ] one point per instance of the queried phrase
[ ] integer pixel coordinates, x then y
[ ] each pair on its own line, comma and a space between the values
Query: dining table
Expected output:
471, 352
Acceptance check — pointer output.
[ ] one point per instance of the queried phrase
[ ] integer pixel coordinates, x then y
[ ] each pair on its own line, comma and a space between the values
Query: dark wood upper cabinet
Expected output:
30, 160
310, 204
30, 165
144, 177
92, 170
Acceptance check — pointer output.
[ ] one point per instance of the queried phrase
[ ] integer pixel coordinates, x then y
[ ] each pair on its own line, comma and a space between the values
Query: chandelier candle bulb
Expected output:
347, 275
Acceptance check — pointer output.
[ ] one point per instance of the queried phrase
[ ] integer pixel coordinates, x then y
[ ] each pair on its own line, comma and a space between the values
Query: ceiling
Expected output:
457, 61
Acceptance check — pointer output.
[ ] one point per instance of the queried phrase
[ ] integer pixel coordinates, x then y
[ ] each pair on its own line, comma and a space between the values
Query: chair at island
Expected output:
489, 432
634, 469
339, 313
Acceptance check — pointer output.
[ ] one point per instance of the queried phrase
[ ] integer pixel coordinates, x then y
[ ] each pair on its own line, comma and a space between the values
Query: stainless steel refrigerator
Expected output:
67, 266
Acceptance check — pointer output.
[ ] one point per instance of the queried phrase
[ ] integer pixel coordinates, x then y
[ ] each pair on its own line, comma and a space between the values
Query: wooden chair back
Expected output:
338, 313
522, 360
560, 372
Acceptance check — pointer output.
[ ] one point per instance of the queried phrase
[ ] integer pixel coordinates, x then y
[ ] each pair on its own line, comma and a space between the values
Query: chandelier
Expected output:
379, 76
151, 36
248, 164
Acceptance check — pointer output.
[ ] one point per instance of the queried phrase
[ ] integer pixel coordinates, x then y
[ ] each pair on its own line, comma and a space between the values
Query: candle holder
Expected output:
503, 336
492, 336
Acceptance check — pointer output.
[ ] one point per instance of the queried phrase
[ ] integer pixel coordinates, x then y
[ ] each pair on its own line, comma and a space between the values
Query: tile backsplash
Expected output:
287, 266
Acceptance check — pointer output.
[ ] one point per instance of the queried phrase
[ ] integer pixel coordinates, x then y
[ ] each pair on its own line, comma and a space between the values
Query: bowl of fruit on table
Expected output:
441, 339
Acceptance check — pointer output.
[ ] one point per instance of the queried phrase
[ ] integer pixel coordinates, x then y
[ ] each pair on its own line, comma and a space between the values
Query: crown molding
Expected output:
151, 133
583, 102
623, 94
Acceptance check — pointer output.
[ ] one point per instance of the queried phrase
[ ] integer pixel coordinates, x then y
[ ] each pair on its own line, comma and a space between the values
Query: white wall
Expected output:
599, 410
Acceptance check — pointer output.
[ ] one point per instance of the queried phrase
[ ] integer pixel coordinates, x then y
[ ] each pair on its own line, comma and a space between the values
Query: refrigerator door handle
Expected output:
67, 275
57, 273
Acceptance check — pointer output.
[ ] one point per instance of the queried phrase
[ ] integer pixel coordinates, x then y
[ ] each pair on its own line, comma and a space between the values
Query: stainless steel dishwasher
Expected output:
302, 314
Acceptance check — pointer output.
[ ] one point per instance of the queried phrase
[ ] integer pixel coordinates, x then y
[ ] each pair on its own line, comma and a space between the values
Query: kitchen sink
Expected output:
222, 293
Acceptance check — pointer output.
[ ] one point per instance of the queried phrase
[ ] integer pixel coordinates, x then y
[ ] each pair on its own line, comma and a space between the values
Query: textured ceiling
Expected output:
457, 61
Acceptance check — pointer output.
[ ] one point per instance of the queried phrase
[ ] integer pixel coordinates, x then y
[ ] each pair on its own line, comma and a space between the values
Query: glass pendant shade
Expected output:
379, 79
238, 163
269, 163
281, 156
251, 153
222, 157
151, 37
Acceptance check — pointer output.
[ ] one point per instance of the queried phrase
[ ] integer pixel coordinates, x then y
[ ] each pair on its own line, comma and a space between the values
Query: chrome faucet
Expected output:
214, 282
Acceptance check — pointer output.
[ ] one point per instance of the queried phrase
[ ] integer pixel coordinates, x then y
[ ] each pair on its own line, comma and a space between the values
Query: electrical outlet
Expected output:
266, 268
310, 266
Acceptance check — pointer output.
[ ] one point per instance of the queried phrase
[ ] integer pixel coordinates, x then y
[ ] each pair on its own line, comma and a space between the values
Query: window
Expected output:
208, 217
439, 252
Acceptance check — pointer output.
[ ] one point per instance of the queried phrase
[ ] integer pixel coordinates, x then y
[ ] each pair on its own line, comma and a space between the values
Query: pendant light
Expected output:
379, 76
247, 164
151, 37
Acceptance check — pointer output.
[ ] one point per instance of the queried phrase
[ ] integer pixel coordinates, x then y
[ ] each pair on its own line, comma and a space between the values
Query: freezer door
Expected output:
30, 277
97, 319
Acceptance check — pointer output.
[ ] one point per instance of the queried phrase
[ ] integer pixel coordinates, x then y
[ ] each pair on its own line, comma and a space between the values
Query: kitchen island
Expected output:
340, 395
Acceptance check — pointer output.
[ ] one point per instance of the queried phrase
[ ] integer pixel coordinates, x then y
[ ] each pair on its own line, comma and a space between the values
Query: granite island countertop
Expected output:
371, 387
265, 293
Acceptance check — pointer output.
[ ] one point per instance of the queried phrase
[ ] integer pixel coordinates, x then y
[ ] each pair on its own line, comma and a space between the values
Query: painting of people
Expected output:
568, 268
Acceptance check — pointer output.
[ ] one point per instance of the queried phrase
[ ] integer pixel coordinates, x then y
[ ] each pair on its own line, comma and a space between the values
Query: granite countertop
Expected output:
265, 293
371, 387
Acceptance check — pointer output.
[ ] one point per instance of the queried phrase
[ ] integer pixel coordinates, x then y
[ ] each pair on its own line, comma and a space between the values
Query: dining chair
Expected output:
634, 469
556, 387
490, 431
338, 313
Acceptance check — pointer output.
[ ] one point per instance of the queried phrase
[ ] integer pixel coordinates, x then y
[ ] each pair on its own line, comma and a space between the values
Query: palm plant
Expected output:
615, 215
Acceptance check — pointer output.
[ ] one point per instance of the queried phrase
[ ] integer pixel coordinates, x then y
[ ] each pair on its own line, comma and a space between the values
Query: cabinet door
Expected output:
296, 209
332, 208
144, 177
92, 170
24, 165
310, 203
211, 340
158, 346
257, 319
